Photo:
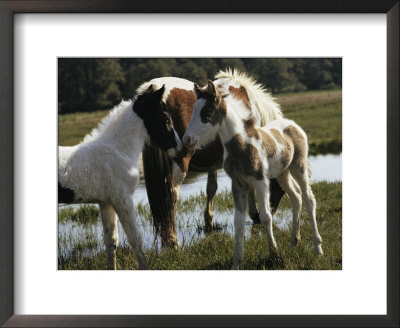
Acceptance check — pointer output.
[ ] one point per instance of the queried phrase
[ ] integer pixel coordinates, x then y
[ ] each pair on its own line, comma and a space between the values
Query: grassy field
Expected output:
216, 250
319, 113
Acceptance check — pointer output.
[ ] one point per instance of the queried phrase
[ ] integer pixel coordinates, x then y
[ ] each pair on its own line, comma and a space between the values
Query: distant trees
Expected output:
278, 72
87, 84
319, 74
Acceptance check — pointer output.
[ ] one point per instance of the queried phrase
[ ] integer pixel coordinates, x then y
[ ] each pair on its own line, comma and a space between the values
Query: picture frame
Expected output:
9, 8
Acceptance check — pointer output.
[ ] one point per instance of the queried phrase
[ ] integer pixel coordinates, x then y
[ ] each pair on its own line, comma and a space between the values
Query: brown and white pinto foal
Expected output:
252, 156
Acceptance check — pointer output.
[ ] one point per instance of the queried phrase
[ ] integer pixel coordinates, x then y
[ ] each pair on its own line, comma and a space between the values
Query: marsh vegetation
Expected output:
199, 250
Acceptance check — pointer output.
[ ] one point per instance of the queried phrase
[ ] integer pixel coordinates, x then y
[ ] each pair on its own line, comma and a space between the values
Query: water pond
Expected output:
88, 237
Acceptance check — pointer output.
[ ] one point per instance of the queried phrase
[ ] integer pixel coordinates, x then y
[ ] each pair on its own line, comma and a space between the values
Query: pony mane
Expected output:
142, 88
266, 105
109, 121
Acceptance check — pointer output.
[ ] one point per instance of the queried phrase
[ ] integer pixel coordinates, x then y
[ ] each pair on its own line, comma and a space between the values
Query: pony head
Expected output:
157, 121
208, 113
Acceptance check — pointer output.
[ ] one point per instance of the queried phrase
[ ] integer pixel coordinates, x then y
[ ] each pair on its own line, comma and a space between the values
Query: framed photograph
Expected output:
350, 47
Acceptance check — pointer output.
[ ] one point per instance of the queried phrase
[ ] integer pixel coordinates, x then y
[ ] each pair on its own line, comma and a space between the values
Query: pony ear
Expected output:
197, 90
211, 88
150, 88
159, 93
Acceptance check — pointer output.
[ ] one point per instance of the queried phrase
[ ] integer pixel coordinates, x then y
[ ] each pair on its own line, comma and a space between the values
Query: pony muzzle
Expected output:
190, 141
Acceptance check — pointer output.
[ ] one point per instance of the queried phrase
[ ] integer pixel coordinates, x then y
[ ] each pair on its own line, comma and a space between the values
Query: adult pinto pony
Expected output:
252, 156
103, 169
164, 175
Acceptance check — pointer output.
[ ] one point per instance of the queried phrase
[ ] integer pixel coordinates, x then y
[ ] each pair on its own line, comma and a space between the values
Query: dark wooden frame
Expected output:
7, 10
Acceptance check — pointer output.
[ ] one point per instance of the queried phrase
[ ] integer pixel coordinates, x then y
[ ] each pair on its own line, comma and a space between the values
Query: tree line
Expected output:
88, 84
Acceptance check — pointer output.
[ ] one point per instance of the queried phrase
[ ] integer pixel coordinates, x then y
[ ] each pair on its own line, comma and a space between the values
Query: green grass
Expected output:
85, 214
73, 127
216, 250
319, 113
320, 116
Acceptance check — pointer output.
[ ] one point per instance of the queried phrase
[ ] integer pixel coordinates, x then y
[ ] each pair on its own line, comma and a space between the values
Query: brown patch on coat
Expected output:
180, 104
241, 94
243, 160
300, 147
268, 143
214, 109
249, 127
287, 151
219, 113
210, 157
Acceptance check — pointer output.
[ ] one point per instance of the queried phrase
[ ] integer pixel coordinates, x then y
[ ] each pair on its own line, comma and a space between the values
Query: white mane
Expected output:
143, 87
109, 121
266, 106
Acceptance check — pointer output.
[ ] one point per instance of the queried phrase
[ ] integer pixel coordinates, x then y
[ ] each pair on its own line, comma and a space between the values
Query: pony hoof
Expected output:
319, 251
209, 226
208, 219
273, 252
172, 244
143, 266
294, 241
236, 264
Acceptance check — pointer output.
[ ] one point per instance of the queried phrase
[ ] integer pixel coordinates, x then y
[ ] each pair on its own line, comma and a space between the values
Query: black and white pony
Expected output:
254, 155
103, 168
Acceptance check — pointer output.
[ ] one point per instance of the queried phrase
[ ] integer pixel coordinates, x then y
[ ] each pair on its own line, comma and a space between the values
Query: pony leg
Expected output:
240, 195
110, 234
290, 186
276, 194
211, 190
127, 217
301, 176
253, 212
262, 189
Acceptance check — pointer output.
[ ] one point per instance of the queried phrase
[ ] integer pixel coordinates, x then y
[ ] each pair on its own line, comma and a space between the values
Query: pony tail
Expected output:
157, 166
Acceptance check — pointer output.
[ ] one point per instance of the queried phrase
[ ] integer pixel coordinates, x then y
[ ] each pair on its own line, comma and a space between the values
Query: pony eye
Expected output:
208, 116
166, 118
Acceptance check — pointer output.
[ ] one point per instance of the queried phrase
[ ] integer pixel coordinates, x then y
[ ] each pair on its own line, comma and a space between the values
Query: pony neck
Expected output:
123, 130
232, 124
